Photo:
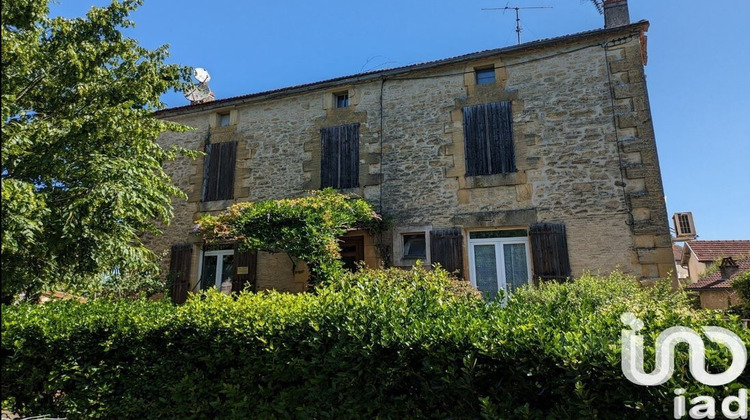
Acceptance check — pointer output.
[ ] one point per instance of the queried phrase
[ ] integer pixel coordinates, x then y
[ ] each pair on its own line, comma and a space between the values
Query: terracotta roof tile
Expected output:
709, 251
714, 280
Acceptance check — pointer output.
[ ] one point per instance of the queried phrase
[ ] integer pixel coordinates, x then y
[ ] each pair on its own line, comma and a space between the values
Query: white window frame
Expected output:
219, 266
499, 258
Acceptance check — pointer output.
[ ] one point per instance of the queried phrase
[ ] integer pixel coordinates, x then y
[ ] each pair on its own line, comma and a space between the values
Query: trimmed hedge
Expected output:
386, 344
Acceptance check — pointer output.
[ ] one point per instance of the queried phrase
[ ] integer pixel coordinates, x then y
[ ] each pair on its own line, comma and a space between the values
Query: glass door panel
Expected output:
227, 271
208, 277
485, 268
516, 266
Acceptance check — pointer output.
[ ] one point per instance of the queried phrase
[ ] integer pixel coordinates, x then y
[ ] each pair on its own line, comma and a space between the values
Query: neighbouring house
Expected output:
681, 272
535, 161
698, 255
715, 289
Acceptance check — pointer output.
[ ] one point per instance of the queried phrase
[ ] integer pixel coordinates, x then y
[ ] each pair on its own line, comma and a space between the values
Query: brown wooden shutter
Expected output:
218, 171
245, 263
179, 271
225, 189
549, 249
209, 181
488, 139
339, 157
446, 248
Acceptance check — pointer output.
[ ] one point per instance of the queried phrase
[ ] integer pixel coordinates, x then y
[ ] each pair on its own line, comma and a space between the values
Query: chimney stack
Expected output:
728, 267
616, 13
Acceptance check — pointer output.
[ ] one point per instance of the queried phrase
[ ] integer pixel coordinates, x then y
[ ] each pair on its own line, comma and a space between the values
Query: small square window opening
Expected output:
415, 245
342, 100
224, 120
485, 76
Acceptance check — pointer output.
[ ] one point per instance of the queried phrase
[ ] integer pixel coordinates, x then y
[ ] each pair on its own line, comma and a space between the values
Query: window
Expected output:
342, 100
224, 120
488, 138
339, 166
499, 263
218, 171
415, 245
217, 269
485, 76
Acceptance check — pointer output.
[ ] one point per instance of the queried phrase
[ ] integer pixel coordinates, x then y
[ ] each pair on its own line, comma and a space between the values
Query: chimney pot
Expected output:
616, 13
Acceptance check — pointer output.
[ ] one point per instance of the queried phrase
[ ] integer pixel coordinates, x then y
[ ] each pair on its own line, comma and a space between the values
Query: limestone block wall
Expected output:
584, 145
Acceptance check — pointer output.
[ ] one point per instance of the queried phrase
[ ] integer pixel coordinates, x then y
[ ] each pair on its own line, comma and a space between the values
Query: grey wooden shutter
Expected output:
180, 261
245, 263
218, 171
446, 248
339, 157
488, 139
549, 249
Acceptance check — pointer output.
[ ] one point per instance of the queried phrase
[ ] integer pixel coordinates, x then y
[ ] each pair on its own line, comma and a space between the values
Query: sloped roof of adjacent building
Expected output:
677, 251
641, 26
715, 280
710, 251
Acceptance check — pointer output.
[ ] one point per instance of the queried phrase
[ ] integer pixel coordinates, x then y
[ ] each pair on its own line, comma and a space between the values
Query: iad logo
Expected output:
632, 365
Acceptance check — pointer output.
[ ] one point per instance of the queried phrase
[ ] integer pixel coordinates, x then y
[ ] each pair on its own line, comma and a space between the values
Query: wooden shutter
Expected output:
446, 248
245, 263
549, 249
179, 271
339, 156
218, 171
488, 139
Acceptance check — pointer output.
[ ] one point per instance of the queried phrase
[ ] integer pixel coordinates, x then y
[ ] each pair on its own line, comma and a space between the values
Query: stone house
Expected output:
715, 289
698, 255
507, 165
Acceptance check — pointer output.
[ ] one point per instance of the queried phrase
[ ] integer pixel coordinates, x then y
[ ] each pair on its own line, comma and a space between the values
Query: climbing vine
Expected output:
305, 228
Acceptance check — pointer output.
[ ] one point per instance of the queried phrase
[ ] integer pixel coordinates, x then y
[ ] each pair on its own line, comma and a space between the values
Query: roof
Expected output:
640, 26
710, 251
677, 251
715, 280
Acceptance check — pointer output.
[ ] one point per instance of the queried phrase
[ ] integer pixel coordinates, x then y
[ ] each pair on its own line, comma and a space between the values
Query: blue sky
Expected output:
697, 71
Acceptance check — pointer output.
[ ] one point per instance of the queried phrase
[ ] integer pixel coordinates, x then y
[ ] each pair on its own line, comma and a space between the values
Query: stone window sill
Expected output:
495, 180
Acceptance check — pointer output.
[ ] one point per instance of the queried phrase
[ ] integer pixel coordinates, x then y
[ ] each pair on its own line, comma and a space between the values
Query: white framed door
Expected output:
497, 264
217, 270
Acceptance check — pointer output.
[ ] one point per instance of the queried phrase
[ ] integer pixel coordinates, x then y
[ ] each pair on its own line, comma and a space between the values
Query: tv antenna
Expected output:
518, 15
200, 92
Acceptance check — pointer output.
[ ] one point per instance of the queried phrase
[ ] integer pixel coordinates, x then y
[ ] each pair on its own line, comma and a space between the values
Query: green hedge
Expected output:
386, 344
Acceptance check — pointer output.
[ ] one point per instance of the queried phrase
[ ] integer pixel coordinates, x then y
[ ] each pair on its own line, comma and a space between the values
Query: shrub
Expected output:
380, 343
306, 228
741, 284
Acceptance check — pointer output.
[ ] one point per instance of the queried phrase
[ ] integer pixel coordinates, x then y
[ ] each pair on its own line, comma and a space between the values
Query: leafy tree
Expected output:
305, 228
82, 176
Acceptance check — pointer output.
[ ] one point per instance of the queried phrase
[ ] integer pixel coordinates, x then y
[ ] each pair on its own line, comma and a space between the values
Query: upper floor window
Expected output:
218, 171
339, 166
224, 120
342, 100
485, 76
488, 138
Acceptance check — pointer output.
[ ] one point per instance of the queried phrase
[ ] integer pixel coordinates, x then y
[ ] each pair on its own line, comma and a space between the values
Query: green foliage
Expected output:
82, 176
741, 284
305, 228
380, 343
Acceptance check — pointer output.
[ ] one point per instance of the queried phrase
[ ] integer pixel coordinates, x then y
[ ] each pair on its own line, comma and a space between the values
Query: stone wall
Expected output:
584, 145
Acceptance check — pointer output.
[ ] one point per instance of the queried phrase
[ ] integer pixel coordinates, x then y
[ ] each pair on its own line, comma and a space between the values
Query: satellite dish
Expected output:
201, 75
200, 92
